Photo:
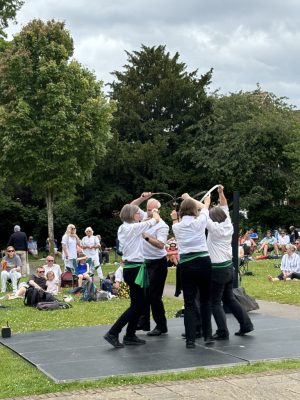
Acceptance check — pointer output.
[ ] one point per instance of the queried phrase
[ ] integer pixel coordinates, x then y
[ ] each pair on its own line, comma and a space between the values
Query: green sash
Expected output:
224, 264
142, 278
183, 258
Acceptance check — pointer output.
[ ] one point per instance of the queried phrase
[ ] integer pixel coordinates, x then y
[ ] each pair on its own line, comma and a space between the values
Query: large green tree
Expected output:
158, 99
242, 144
54, 117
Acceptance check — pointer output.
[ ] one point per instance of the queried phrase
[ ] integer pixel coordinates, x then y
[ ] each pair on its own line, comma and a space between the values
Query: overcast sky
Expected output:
244, 41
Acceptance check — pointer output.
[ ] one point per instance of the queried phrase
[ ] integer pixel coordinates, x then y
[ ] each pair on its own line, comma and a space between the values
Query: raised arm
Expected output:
222, 198
144, 196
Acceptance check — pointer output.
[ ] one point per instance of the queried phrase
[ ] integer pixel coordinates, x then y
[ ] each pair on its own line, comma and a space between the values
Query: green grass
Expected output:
20, 378
259, 286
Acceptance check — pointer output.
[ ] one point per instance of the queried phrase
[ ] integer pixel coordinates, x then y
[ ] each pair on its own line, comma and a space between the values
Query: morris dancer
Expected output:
131, 244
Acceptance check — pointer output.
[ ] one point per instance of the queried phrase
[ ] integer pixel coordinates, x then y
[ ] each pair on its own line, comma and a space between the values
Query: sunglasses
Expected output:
10, 251
41, 272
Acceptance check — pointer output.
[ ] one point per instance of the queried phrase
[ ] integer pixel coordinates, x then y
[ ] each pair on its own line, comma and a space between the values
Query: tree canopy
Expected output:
54, 118
8, 11
243, 144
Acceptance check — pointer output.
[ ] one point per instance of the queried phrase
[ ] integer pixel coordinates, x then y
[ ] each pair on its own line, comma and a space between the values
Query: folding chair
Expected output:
9, 287
244, 265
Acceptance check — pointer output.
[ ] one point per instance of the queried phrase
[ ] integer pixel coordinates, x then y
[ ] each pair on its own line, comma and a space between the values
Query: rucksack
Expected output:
34, 296
52, 305
89, 291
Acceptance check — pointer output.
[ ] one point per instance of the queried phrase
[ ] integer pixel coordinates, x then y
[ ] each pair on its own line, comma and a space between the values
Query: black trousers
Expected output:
196, 276
137, 303
157, 273
221, 291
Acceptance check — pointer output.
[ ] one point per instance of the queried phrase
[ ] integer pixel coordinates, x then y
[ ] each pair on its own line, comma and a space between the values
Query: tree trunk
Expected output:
50, 203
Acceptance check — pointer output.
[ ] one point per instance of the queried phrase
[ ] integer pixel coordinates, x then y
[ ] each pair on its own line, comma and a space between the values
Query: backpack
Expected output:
52, 305
89, 291
34, 296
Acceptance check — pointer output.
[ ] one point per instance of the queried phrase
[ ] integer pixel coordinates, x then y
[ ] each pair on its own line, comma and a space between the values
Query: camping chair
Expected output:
9, 287
72, 270
244, 265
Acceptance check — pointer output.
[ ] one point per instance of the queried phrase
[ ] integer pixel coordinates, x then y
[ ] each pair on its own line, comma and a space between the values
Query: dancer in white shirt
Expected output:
131, 245
195, 265
219, 239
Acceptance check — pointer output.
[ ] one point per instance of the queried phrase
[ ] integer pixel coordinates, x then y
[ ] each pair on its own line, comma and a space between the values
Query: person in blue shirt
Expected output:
82, 269
268, 243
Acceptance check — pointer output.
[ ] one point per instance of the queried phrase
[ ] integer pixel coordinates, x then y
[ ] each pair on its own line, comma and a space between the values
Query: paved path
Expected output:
261, 386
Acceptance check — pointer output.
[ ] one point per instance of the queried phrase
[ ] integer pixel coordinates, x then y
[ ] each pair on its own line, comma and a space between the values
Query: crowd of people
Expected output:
270, 243
15, 263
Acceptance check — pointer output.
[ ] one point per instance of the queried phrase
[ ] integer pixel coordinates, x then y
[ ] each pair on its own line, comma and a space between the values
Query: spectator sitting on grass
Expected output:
268, 243
11, 269
290, 265
248, 243
37, 281
52, 283
32, 246
283, 240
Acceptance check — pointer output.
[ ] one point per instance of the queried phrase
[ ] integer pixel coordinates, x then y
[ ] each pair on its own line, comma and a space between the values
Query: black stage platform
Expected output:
82, 353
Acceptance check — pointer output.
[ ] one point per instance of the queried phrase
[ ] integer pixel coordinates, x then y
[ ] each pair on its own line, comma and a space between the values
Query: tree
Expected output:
54, 118
157, 100
243, 145
8, 11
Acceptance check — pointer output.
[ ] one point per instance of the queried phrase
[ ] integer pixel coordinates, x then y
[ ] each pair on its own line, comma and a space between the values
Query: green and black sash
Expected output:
224, 264
142, 278
183, 258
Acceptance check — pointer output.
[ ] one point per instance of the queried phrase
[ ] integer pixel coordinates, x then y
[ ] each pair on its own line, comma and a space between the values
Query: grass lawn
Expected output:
19, 378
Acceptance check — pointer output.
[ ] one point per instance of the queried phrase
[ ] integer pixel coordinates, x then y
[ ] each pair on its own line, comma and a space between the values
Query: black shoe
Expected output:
157, 332
113, 340
190, 344
145, 328
243, 332
133, 340
209, 340
220, 336
198, 335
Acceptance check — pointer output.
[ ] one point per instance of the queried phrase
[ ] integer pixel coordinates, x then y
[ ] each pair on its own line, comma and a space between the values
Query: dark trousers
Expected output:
221, 290
157, 272
104, 256
137, 303
196, 276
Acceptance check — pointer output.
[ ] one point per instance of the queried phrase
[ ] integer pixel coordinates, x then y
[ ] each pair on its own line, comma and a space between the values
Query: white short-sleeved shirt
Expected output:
283, 239
219, 238
70, 242
290, 263
190, 233
160, 231
131, 240
91, 253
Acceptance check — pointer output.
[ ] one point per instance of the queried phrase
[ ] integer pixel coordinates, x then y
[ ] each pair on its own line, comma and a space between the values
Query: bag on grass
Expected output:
248, 302
52, 305
102, 295
89, 291
33, 296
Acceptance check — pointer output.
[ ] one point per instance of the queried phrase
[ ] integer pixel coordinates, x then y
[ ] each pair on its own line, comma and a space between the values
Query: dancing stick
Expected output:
209, 192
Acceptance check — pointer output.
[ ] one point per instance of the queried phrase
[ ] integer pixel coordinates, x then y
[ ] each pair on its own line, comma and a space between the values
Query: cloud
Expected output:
245, 42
